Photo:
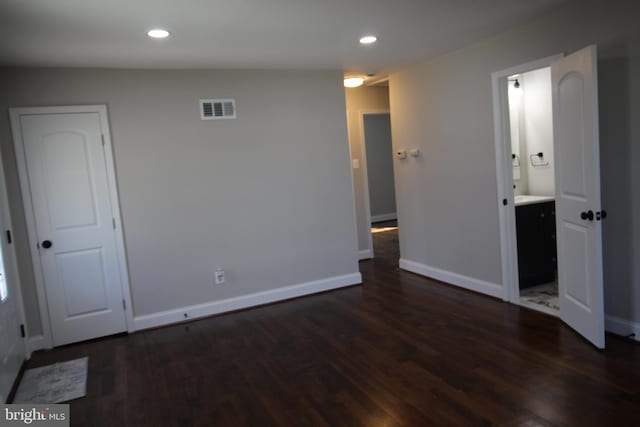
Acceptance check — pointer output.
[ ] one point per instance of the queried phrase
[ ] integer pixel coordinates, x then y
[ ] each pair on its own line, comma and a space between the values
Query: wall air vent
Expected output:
214, 109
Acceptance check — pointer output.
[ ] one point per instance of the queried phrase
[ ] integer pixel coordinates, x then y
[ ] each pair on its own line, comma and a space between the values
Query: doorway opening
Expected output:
525, 166
567, 195
378, 153
531, 134
372, 164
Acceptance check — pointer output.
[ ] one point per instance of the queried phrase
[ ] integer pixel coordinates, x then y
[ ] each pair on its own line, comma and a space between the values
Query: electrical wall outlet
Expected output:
219, 276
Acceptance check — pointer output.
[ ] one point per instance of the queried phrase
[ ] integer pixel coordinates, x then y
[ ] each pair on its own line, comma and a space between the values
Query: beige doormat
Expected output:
55, 383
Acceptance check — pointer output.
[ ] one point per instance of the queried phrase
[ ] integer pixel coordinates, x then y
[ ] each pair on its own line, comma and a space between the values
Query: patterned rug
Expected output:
55, 383
546, 295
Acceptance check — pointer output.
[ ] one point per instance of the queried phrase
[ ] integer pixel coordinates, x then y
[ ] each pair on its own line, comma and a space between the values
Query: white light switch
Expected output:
356, 163
219, 276
414, 152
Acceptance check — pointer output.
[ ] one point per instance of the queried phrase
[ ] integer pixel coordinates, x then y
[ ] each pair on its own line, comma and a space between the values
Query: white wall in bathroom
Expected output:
538, 131
518, 140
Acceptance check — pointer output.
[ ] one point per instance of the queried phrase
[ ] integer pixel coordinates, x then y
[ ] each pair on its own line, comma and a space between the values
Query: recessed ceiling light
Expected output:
158, 33
368, 39
353, 81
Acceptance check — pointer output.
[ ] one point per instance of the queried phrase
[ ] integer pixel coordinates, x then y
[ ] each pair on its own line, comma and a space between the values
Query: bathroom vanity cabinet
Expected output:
536, 231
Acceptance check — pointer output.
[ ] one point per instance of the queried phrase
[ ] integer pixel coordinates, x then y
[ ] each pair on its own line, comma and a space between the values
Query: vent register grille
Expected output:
215, 109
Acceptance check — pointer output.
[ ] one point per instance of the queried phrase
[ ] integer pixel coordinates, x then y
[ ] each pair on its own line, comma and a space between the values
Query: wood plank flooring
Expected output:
400, 350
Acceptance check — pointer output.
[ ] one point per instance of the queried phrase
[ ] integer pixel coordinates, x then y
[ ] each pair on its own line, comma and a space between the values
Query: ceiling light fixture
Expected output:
516, 84
368, 39
353, 81
158, 33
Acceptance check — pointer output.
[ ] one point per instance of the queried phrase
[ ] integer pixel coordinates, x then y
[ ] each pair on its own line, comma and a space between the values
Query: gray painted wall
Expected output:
268, 196
358, 100
448, 204
377, 132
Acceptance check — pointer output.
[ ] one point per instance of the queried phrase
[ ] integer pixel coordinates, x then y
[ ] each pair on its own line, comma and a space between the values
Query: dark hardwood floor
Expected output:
401, 350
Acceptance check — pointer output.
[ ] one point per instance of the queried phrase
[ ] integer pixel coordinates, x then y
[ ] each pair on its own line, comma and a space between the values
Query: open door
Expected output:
12, 345
579, 232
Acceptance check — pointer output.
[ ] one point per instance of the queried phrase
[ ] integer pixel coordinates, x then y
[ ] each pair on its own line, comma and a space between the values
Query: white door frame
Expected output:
365, 170
10, 258
101, 110
504, 174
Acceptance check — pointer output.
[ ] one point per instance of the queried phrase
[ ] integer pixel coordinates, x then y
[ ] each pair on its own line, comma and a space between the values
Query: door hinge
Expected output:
124, 305
22, 332
102, 137
9, 240
113, 220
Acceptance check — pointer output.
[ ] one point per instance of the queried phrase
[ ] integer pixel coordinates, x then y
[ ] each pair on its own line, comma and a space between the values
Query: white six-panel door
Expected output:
69, 189
577, 175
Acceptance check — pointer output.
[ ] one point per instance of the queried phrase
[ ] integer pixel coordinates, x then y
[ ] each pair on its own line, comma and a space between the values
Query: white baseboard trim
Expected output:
35, 343
622, 327
365, 254
216, 307
476, 285
384, 217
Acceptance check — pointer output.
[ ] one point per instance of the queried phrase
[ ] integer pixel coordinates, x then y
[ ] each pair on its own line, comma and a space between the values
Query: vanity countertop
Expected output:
530, 200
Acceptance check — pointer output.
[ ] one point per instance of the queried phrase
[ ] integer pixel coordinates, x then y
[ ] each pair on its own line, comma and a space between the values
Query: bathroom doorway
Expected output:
531, 131
548, 179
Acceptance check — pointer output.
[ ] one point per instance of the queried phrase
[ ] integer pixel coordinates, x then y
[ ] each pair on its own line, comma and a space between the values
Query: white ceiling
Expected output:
300, 34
